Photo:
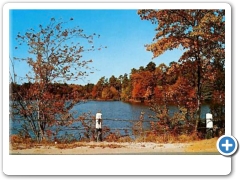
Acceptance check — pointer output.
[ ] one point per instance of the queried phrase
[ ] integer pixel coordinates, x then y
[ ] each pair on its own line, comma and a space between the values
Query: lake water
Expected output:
115, 114
114, 109
122, 110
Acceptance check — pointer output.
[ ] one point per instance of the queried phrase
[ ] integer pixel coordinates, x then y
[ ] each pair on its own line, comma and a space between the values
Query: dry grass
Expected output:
206, 145
19, 143
75, 145
69, 146
167, 138
125, 139
195, 145
115, 137
187, 138
113, 146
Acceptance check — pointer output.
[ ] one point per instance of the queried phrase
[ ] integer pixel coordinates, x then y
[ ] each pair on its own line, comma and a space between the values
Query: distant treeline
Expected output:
175, 83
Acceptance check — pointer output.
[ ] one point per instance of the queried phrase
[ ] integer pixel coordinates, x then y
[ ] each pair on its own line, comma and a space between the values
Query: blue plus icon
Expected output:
227, 145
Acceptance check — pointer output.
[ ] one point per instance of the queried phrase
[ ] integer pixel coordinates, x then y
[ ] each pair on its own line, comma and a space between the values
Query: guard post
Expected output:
99, 126
209, 126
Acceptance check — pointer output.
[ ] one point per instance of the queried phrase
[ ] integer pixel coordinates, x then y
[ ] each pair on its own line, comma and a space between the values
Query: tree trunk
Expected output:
199, 92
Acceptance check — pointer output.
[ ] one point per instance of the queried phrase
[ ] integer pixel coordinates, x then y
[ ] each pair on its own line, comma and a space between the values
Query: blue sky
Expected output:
122, 31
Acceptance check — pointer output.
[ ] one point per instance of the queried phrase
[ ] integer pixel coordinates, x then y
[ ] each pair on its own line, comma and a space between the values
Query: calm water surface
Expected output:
112, 112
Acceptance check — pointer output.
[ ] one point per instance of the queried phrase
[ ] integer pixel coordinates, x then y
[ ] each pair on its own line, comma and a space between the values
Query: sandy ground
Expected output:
114, 148
103, 148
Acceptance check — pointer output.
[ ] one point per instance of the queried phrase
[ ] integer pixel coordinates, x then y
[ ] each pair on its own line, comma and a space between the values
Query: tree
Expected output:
151, 66
126, 87
143, 85
200, 33
55, 55
101, 84
113, 81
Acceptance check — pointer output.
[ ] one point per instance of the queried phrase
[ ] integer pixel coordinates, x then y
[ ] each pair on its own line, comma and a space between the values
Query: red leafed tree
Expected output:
55, 55
201, 33
143, 84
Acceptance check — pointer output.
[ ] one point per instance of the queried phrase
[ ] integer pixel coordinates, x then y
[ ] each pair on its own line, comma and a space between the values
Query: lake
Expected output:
115, 114
123, 110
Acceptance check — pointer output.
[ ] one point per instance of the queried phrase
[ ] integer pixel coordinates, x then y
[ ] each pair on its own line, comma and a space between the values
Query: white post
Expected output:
209, 120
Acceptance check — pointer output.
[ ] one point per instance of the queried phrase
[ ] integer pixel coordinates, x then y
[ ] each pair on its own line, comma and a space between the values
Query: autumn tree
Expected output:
201, 33
150, 67
125, 87
98, 88
143, 85
55, 55
88, 89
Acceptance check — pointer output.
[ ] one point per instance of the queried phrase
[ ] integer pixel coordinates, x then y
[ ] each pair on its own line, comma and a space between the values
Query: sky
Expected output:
122, 31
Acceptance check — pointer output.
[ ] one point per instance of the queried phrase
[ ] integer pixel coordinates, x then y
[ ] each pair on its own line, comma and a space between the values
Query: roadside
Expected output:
207, 146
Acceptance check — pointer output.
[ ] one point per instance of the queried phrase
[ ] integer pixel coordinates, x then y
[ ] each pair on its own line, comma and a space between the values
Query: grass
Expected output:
19, 143
195, 144
75, 145
206, 145
69, 146
112, 146
167, 138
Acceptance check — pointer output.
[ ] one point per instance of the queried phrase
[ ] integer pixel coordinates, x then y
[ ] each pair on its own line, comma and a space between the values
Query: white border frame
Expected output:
113, 164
